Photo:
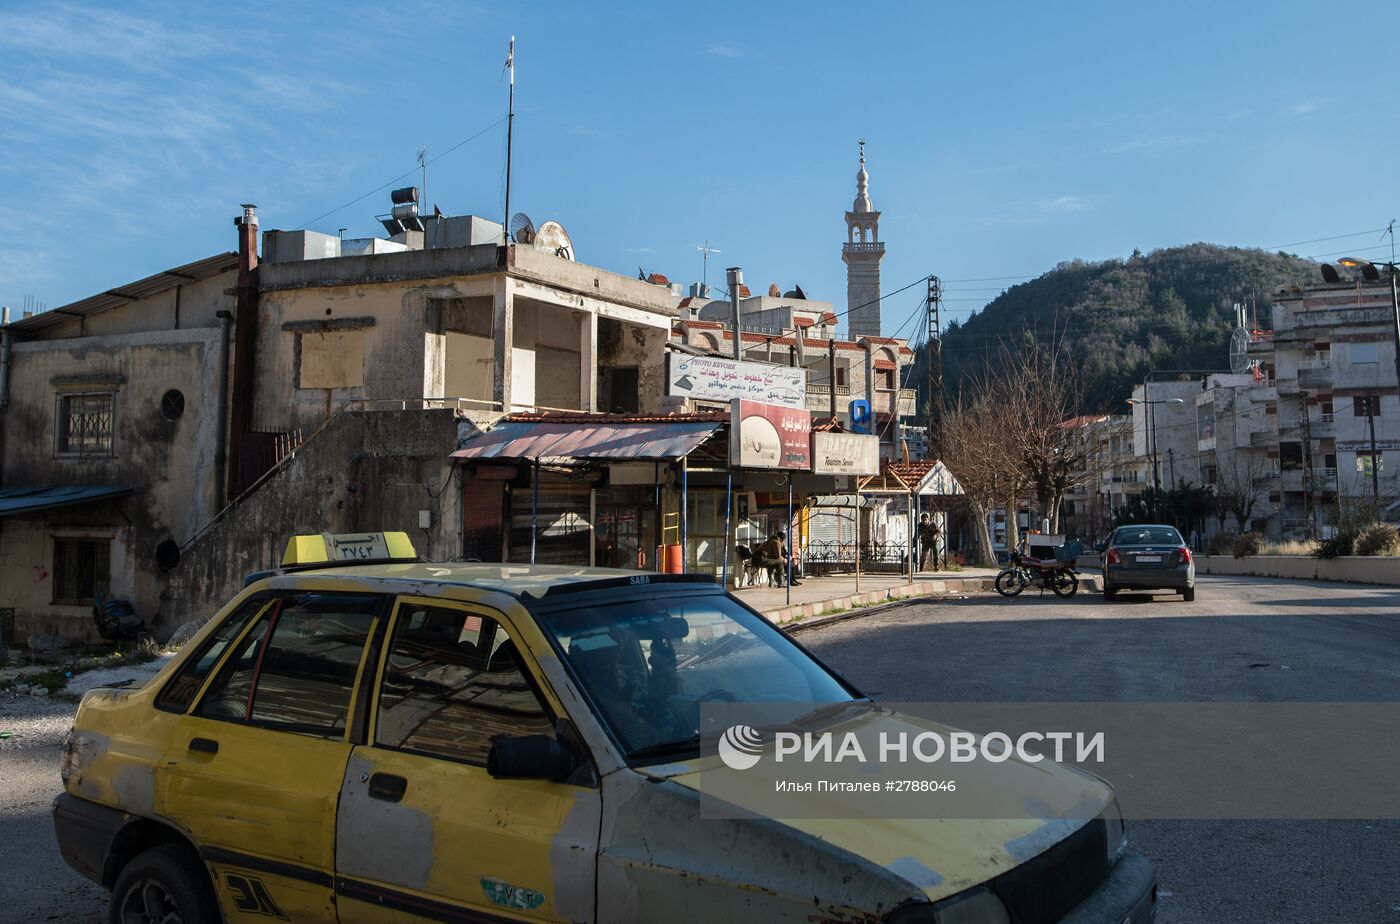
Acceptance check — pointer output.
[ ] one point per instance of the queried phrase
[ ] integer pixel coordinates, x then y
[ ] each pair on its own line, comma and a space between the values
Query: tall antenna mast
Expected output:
510, 134
423, 163
705, 251
934, 302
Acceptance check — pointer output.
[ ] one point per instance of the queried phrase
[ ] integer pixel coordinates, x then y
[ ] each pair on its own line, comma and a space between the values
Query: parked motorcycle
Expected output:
1057, 576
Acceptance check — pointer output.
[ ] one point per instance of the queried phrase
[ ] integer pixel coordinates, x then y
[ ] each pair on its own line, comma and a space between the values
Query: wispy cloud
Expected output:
1305, 107
725, 51
1153, 143
1064, 204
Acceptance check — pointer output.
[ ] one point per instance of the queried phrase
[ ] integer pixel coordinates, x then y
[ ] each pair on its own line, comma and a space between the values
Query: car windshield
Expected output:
1147, 535
647, 664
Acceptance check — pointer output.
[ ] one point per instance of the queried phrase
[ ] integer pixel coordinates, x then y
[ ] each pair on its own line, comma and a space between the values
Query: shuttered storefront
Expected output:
563, 529
483, 512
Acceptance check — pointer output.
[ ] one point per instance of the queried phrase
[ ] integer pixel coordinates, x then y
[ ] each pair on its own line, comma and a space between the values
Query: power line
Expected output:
403, 176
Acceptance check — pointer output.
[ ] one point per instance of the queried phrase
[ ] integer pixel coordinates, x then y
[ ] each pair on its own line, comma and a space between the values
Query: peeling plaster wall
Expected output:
169, 464
366, 472
621, 345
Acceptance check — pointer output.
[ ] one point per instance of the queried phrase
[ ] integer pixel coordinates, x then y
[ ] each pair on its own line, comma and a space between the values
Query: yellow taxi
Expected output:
359, 736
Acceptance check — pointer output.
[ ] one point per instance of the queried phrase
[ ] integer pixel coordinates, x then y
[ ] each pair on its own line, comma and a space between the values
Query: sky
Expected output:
1002, 138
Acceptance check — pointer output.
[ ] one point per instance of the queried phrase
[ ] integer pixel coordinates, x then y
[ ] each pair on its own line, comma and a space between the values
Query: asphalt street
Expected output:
1242, 640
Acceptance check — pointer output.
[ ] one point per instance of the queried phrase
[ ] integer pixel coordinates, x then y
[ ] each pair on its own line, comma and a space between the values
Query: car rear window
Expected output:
1147, 535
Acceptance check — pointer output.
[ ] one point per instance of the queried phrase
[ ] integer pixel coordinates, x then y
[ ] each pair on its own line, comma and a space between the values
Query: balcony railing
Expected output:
864, 247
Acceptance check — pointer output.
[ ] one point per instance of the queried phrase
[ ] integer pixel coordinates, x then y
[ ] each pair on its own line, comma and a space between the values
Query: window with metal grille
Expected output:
81, 569
85, 424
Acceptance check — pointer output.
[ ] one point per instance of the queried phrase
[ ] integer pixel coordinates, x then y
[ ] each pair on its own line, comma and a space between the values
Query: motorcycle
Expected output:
1058, 576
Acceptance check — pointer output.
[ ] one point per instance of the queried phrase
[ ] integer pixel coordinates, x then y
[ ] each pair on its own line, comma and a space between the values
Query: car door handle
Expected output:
204, 745
387, 786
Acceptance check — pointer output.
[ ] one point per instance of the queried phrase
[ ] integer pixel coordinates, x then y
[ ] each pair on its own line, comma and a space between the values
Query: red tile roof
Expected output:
884, 364
584, 417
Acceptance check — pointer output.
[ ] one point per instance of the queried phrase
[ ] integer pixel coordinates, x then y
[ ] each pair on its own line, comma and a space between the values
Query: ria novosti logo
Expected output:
740, 747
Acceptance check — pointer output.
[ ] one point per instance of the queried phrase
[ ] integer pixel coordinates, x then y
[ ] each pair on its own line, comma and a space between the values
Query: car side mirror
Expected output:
530, 757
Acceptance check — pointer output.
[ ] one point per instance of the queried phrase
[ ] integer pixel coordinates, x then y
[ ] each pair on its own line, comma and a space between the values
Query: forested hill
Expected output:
1169, 309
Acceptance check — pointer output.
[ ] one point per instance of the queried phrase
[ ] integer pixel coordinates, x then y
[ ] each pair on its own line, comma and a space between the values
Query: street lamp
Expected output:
1358, 263
1152, 433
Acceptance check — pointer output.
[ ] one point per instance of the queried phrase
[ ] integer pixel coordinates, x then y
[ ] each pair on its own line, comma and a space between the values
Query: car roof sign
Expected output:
326, 548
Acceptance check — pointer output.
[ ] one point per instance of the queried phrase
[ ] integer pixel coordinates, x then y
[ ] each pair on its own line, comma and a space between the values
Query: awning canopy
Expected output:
638, 442
30, 500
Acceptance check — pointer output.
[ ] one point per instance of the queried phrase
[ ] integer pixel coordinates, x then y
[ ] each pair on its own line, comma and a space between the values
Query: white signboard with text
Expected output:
845, 454
714, 378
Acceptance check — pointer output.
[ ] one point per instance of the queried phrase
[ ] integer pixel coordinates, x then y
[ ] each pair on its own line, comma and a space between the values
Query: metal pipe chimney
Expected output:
735, 276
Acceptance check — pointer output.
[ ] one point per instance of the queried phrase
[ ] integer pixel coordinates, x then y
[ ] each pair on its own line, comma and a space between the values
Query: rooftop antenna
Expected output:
1390, 229
705, 251
510, 134
423, 164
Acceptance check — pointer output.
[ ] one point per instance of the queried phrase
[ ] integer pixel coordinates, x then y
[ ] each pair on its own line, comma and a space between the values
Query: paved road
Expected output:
1242, 640
1339, 643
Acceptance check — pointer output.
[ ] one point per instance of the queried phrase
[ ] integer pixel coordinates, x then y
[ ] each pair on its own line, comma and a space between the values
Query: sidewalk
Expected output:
818, 595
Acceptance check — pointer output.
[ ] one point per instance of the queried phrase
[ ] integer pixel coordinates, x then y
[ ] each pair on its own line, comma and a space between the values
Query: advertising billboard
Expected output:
845, 454
714, 378
769, 436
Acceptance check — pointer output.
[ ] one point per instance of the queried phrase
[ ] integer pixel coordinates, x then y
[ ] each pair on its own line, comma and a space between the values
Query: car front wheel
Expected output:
164, 885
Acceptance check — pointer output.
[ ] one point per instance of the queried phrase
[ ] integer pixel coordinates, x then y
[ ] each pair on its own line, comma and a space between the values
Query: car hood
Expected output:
1046, 802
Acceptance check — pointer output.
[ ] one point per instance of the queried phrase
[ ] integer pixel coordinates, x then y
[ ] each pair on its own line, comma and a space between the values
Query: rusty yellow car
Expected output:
360, 736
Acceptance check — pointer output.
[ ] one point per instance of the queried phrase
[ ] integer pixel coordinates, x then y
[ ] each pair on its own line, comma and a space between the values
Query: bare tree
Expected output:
1040, 391
974, 449
1239, 486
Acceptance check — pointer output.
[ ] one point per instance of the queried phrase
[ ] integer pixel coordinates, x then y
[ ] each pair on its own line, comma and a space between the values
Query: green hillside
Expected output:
1169, 309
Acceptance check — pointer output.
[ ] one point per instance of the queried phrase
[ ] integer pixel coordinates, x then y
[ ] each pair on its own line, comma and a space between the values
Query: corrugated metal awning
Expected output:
640, 442
31, 500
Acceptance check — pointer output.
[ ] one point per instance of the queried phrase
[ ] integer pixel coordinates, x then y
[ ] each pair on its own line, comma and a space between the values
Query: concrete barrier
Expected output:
1360, 569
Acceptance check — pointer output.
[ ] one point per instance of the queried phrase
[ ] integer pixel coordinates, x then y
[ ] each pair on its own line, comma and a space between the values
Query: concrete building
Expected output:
1327, 378
111, 451
862, 254
1164, 427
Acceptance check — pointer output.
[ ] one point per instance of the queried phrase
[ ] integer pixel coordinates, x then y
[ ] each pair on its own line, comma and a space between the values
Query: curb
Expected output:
791, 619
807, 614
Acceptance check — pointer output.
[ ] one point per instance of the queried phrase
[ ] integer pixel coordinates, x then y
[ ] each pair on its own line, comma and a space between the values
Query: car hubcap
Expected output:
149, 902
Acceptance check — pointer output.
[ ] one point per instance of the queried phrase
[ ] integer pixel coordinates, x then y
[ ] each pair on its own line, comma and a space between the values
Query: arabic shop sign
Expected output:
714, 378
845, 454
768, 436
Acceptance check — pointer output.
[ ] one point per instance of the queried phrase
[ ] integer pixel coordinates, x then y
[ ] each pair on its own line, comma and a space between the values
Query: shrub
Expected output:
1290, 547
1342, 543
1247, 544
1221, 543
1378, 539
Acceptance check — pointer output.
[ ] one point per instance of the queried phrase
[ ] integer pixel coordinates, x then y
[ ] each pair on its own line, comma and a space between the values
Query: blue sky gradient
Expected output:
1002, 138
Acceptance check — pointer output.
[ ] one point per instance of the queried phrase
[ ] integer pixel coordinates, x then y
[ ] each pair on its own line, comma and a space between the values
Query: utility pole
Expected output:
1171, 468
830, 372
1309, 511
510, 137
935, 368
1375, 459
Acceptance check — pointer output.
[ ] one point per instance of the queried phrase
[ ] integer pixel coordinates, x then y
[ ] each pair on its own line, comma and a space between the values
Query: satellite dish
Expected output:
800, 294
522, 229
1239, 351
1370, 272
1329, 273
552, 237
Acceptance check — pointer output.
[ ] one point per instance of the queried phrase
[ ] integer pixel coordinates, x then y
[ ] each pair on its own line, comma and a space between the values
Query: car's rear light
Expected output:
1185, 554
1113, 558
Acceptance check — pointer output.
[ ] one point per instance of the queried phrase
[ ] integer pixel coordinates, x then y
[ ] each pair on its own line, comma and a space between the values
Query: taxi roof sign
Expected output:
348, 547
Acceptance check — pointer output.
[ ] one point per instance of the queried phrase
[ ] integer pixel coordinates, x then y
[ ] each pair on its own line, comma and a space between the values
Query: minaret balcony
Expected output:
863, 247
